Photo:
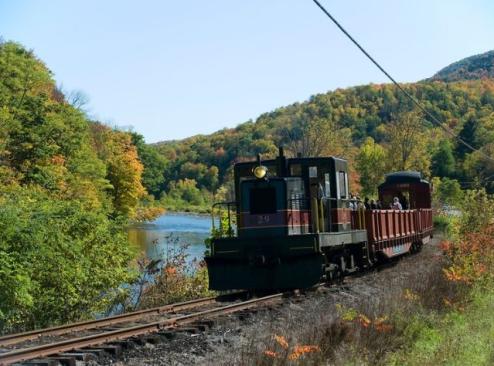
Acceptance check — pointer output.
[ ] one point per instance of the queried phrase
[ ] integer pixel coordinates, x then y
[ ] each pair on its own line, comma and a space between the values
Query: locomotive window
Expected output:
342, 184
262, 201
296, 170
327, 191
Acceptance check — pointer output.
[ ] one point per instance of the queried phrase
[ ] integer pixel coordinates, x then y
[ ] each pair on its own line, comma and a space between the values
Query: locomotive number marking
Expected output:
263, 219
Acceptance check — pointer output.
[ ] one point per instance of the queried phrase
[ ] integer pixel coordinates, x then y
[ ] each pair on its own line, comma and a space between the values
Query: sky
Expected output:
172, 69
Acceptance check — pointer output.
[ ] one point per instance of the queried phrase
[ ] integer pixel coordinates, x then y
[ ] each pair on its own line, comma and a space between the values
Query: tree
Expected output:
443, 162
371, 165
155, 165
124, 173
447, 192
479, 170
186, 190
50, 247
407, 143
317, 137
468, 134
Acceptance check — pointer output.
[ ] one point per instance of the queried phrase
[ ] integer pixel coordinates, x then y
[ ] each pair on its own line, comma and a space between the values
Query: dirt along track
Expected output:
226, 340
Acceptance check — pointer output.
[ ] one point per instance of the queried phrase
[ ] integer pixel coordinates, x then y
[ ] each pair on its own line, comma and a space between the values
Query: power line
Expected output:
432, 118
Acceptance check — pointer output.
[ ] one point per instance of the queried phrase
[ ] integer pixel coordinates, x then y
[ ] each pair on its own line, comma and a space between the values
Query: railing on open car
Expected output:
231, 211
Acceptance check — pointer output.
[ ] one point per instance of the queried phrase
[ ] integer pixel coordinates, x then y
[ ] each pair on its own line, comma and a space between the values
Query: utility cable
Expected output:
432, 118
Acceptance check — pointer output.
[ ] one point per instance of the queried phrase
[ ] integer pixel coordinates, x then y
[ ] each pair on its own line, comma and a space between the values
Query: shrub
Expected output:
175, 278
59, 261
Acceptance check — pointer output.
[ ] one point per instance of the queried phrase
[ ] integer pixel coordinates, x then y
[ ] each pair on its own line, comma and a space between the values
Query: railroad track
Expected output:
54, 341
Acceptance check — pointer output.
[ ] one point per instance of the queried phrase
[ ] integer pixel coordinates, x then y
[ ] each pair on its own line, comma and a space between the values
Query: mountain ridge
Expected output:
469, 68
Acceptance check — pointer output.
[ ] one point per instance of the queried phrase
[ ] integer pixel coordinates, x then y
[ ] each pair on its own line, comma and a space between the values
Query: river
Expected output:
170, 231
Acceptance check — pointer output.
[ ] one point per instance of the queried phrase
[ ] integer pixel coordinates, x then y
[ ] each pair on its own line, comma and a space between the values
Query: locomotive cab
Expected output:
272, 207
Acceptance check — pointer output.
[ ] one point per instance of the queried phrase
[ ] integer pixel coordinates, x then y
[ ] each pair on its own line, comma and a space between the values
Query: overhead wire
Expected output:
431, 118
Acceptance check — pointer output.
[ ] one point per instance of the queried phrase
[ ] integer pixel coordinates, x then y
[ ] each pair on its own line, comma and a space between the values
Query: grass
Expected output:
463, 336
417, 317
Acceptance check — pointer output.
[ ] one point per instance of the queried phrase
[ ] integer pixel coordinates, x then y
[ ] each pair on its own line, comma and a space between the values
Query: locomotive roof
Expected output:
293, 160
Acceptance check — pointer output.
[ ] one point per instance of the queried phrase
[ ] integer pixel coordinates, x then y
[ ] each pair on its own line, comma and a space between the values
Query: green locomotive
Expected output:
291, 225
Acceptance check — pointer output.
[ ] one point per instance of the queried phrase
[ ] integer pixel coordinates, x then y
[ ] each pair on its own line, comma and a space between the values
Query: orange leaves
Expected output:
58, 160
364, 321
281, 341
294, 353
351, 315
445, 245
171, 271
472, 257
271, 354
299, 351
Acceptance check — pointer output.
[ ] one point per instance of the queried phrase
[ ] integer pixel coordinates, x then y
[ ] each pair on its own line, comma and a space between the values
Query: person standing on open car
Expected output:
396, 205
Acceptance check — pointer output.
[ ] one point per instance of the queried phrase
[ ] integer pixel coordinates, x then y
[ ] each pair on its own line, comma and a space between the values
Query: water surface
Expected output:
170, 231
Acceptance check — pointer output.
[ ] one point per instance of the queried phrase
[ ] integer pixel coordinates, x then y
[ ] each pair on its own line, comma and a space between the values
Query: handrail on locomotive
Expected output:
358, 215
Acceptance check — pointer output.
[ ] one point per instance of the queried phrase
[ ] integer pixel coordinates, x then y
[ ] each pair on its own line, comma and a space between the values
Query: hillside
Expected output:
356, 123
470, 68
343, 122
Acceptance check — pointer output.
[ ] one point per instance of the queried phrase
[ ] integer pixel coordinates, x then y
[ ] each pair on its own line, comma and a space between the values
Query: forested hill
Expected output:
474, 67
374, 126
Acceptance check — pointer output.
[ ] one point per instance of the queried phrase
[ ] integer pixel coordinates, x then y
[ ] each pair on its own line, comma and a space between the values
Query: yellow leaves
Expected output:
454, 275
124, 172
346, 314
148, 213
410, 295
448, 302
351, 315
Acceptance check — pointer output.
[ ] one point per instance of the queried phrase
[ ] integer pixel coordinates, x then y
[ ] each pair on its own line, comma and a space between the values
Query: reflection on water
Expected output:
171, 229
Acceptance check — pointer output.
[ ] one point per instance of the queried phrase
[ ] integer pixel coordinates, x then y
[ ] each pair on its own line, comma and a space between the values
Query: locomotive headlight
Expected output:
260, 171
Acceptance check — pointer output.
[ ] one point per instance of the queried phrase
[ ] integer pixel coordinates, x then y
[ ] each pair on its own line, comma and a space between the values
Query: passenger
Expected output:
360, 204
367, 203
404, 202
396, 205
379, 206
373, 205
351, 205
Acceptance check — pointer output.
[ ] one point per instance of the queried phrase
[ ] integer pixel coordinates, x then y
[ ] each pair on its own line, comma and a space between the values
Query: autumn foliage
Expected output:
472, 257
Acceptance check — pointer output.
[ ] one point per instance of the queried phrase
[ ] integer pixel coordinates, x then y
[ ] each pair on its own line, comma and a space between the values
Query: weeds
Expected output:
173, 279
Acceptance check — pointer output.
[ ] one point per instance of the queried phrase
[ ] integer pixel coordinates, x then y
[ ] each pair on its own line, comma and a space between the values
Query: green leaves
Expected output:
62, 256
58, 260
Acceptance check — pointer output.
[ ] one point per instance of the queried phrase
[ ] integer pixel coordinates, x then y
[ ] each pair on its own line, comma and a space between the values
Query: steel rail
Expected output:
98, 323
25, 354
